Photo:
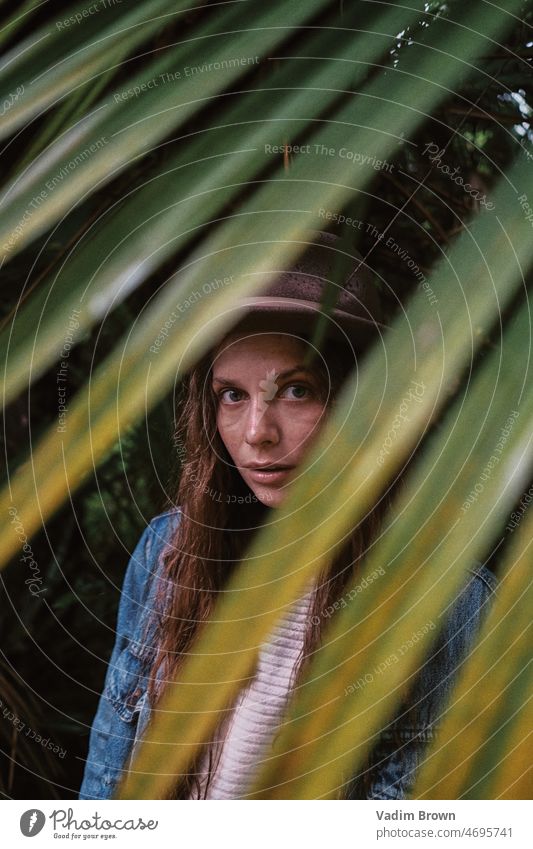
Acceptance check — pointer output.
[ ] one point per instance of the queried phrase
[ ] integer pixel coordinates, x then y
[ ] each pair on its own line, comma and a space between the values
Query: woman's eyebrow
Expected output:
224, 381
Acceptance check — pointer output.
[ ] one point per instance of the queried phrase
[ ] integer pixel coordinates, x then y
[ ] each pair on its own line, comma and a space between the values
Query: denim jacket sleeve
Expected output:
392, 765
114, 726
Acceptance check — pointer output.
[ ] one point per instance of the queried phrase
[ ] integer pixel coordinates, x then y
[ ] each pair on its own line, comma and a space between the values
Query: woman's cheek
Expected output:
228, 425
306, 427
227, 435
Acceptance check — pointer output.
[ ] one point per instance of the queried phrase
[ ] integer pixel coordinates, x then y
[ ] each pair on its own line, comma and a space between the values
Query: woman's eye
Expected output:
297, 391
294, 391
230, 396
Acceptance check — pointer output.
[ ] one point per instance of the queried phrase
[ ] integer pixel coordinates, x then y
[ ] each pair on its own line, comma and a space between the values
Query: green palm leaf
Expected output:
484, 748
431, 540
125, 124
40, 65
232, 214
334, 503
189, 191
271, 218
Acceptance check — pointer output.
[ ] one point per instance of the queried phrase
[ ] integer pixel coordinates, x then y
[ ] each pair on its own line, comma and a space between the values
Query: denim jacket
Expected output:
123, 710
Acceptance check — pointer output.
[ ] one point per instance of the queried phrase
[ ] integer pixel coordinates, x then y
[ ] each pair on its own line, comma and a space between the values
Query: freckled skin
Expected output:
262, 417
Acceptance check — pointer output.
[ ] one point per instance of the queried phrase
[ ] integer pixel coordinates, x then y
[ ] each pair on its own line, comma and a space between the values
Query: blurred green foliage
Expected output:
85, 548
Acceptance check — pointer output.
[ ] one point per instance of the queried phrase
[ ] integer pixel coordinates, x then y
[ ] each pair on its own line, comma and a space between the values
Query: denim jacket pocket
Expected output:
409, 734
145, 711
390, 768
127, 682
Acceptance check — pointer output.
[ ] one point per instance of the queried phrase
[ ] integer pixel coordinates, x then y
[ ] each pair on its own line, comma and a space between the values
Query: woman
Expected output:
250, 411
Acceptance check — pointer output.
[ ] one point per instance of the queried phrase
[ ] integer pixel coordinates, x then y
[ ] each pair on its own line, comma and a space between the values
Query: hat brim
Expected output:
293, 315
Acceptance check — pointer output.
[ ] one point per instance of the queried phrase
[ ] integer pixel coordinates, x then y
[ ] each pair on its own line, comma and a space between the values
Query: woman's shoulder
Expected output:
484, 576
159, 533
145, 561
474, 598
160, 529
463, 616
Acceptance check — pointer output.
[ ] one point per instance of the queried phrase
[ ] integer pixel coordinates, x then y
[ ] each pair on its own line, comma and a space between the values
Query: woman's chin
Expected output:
271, 497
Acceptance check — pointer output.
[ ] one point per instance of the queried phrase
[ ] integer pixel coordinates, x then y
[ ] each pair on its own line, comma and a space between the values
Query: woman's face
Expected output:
269, 409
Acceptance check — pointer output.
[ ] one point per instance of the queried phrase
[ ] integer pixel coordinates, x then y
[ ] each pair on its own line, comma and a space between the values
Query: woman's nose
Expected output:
261, 421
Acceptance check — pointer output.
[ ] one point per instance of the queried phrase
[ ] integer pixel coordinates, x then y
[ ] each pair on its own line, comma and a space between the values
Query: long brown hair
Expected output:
214, 532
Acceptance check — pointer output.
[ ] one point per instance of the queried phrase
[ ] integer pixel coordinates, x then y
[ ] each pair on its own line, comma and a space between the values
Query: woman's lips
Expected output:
266, 476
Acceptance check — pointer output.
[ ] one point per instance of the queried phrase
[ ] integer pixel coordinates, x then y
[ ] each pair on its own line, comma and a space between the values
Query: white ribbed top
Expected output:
251, 726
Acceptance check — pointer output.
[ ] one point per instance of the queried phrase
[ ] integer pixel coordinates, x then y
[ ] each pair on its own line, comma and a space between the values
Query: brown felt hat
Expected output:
292, 303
